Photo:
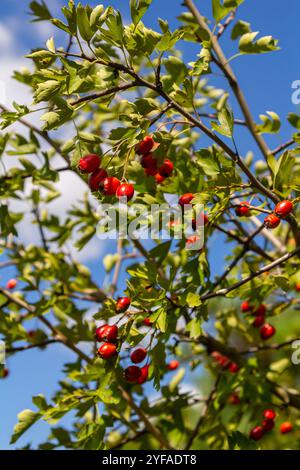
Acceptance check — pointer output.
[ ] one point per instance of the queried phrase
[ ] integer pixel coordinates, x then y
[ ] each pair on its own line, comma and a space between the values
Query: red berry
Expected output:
110, 185
147, 322
5, 373
166, 168
258, 321
243, 209
233, 367
107, 333
234, 399
107, 350
149, 164
192, 240
145, 145
89, 163
144, 374
256, 433
159, 179
267, 331
246, 307
200, 220
122, 304
173, 365
283, 208
125, 190
271, 221
138, 355
297, 287
260, 311
269, 415
185, 199
132, 374
286, 427
31, 334
267, 424
96, 178
11, 284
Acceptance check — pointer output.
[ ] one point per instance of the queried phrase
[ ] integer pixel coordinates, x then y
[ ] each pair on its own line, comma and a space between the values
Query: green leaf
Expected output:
241, 27
264, 44
271, 123
283, 169
225, 117
138, 8
194, 327
193, 300
40, 11
46, 90
221, 10
161, 320
83, 23
95, 15
294, 120
238, 441
26, 419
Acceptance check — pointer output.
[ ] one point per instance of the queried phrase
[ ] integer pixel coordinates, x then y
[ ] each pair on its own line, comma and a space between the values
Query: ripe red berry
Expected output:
283, 208
271, 221
258, 321
173, 365
110, 185
144, 374
107, 332
147, 322
132, 374
286, 427
256, 433
260, 311
166, 168
138, 355
31, 334
145, 145
243, 209
122, 304
159, 178
297, 287
125, 190
96, 178
246, 307
234, 399
11, 284
185, 199
89, 163
267, 331
233, 367
192, 240
269, 415
267, 425
107, 350
149, 163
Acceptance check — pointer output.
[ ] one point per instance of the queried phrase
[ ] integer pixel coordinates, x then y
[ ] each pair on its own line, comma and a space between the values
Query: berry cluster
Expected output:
108, 334
266, 330
100, 181
224, 362
149, 162
281, 211
267, 425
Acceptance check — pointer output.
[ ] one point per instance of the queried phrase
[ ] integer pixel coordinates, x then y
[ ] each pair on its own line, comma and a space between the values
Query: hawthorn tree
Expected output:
123, 111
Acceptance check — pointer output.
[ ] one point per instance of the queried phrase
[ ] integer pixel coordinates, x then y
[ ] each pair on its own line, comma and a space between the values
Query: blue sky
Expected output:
266, 81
